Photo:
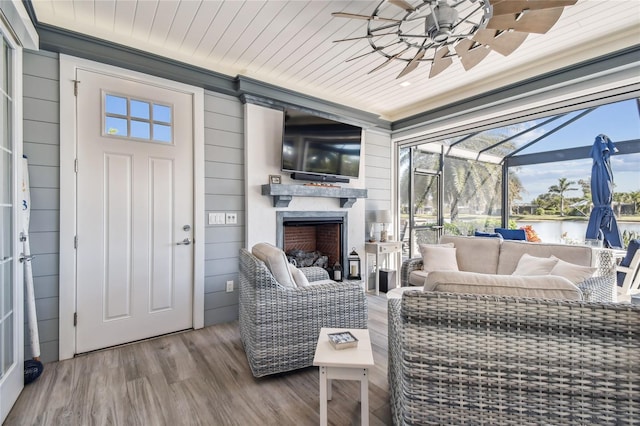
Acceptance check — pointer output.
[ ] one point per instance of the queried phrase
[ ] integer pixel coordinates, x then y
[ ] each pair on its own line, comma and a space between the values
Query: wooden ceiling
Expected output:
290, 44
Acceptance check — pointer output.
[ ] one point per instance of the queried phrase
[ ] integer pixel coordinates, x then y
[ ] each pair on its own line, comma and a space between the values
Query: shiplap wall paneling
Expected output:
377, 171
42, 147
224, 193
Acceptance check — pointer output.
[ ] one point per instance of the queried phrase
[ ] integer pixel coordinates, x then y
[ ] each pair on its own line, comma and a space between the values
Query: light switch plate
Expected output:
216, 218
229, 286
232, 218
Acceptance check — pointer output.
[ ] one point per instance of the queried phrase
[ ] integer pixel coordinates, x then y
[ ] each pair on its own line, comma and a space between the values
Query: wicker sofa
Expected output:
280, 325
492, 256
478, 359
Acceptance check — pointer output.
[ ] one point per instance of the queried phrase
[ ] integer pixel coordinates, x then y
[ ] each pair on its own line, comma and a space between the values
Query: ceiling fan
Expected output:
422, 31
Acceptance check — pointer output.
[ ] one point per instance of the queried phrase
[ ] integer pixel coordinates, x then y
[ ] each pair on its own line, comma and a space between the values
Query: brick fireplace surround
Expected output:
309, 231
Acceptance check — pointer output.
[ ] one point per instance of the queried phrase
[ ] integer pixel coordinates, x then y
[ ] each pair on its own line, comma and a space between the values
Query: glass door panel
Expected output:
11, 372
426, 223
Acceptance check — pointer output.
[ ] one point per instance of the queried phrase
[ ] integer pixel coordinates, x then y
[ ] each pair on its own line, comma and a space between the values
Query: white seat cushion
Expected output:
538, 286
417, 277
397, 293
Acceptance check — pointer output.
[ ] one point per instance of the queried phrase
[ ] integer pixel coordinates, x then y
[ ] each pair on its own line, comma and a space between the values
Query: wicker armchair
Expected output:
279, 326
471, 359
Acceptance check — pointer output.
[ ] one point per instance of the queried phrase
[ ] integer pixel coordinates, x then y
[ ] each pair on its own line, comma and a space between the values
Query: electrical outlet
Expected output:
229, 286
232, 218
216, 218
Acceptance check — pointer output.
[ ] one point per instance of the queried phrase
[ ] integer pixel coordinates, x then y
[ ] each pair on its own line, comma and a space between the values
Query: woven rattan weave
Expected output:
280, 326
485, 360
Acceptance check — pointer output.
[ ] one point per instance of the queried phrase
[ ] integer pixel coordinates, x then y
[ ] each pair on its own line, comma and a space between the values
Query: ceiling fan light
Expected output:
439, 23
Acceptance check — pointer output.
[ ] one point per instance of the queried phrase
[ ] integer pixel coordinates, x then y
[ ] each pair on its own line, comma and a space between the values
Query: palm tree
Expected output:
564, 185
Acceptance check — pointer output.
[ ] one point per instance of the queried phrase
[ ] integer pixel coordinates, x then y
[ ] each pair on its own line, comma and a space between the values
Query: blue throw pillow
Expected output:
487, 234
626, 261
512, 234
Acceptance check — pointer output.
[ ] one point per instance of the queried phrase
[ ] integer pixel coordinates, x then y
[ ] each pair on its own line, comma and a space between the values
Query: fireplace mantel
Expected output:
283, 194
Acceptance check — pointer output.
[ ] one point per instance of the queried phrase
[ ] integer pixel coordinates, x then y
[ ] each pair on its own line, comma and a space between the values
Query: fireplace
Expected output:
310, 231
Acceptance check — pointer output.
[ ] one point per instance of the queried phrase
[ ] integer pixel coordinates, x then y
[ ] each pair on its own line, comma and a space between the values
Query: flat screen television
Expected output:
317, 148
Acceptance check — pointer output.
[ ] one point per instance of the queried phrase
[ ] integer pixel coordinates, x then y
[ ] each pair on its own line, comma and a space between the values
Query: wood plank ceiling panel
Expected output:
267, 37
290, 44
298, 48
143, 21
257, 33
220, 24
200, 26
162, 21
182, 24
286, 38
241, 23
124, 17
320, 57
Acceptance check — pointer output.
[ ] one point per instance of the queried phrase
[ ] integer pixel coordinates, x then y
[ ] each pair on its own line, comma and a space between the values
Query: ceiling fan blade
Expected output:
505, 42
516, 6
364, 17
440, 61
529, 21
388, 61
402, 4
470, 53
413, 64
363, 37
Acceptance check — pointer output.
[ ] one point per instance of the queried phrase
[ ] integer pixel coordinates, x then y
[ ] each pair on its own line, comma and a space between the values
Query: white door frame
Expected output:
68, 196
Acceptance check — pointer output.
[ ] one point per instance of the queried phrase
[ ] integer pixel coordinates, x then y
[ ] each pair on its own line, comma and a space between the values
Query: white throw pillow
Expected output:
438, 258
298, 277
531, 265
276, 261
574, 273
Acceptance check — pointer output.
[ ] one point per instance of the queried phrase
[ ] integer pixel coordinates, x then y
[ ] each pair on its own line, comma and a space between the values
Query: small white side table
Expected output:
378, 248
344, 364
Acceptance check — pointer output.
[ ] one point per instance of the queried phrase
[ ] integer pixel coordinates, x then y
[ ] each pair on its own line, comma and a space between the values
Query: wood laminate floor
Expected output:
199, 377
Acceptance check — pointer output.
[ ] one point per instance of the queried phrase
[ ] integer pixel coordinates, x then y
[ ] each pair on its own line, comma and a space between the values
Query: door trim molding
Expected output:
68, 194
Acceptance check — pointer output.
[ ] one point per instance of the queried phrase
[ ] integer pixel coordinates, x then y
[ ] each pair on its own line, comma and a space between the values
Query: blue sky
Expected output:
619, 121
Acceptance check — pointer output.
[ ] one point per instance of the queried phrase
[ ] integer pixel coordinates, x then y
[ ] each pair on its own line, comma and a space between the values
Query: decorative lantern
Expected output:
354, 265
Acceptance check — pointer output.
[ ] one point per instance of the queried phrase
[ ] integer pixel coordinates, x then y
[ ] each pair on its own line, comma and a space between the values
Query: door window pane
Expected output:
139, 109
116, 126
5, 232
5, 177
116, 105
137, 119
140, 130
161, 133
5, 275
161, 113
7, 342
5, 120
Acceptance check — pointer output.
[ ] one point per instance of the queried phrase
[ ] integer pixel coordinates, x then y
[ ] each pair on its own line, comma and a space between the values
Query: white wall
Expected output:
263, 140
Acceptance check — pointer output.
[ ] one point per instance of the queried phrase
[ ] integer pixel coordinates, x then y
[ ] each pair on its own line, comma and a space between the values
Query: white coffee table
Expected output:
344, 364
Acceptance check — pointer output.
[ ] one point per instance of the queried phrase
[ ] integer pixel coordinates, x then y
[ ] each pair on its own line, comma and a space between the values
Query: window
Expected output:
125, 117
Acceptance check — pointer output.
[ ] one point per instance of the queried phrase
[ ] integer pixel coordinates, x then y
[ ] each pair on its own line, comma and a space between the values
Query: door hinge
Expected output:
75, 319
75, 87
75, 165
75, 241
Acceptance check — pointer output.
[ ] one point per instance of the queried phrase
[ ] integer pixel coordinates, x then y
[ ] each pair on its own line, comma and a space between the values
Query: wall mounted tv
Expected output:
316, 148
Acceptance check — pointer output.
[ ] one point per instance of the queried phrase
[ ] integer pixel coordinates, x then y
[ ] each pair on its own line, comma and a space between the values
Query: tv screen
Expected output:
319, 146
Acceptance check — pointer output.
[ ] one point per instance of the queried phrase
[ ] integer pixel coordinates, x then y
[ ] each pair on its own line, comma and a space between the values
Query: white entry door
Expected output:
134, 210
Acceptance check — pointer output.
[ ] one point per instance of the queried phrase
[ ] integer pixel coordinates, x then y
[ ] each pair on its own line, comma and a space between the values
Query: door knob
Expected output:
184, 242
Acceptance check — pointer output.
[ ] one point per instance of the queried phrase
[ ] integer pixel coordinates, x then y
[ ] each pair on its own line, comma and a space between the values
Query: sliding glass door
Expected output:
11, 321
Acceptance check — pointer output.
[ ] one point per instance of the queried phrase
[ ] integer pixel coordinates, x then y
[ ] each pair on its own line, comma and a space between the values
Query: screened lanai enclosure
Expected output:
531, 174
